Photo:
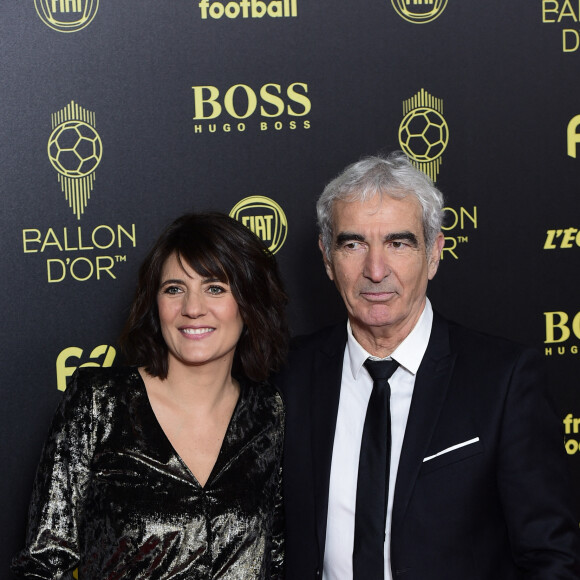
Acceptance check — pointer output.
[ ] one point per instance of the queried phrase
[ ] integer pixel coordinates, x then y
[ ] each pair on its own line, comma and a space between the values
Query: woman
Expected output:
170, 469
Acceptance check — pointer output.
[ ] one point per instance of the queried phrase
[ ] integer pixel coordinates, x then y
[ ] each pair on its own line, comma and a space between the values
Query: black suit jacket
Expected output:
496, 509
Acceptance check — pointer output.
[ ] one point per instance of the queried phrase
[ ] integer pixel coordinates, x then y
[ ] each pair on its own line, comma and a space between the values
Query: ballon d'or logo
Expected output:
423, 132
419, 11
75, 150
265, 218
66, 15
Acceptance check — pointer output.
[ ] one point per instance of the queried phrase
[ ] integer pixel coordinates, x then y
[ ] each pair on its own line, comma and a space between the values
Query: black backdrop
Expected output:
175, 108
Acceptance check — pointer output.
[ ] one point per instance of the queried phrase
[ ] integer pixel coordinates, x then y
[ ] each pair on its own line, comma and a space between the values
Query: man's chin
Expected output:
376, 315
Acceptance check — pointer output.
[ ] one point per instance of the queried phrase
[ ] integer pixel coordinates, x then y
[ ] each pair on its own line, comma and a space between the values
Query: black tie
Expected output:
373, 476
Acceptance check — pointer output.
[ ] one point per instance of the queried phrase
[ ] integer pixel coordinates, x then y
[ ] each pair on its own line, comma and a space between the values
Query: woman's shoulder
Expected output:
263, 394
102, 381
106, 377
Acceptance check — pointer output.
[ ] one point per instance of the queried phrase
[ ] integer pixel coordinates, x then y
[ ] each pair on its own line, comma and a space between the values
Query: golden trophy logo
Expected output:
419, 11
423, 133
265, 218
75, 151
66, 15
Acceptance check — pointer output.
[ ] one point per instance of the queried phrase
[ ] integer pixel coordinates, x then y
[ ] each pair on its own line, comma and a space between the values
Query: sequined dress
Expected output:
112, 496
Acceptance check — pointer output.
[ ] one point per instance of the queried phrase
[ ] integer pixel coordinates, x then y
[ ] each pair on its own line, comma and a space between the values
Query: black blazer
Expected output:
496, 509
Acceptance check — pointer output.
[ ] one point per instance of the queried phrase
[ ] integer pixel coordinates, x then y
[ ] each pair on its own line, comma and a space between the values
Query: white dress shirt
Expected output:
355, 392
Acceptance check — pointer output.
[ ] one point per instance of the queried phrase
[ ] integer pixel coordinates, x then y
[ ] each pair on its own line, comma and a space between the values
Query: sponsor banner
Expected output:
68, 361
419, 11
66, 15
265, 218
423, 132
77, 253
562, 333
571, 434
75, 150
217, 9
564, 16
458, 223
242, 108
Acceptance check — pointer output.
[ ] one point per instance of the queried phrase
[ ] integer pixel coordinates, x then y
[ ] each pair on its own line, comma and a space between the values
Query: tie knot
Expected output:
381, 369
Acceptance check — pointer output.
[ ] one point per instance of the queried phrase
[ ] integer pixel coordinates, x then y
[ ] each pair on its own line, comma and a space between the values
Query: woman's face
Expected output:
200, 319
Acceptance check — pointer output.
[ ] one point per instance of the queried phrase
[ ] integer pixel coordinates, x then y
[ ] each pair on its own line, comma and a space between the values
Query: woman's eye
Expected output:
216, 290
171, 290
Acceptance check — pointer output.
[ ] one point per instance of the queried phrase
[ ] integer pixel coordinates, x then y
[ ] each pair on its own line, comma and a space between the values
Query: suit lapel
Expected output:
326, 379
429, 394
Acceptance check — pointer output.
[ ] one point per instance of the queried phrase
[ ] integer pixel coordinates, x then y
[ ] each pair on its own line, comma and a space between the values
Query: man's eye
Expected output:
352, 245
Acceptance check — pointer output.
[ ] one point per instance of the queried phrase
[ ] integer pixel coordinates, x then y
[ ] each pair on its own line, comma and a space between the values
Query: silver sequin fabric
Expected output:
113, 498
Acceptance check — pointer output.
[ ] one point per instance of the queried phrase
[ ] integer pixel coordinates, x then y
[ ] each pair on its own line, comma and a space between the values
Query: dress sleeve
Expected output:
56, 509
277, 556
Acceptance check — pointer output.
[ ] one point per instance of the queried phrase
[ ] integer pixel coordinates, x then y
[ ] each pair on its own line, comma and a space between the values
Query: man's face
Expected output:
380, 265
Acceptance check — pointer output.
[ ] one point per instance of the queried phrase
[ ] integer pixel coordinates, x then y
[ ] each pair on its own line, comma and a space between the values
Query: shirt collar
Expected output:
408, 354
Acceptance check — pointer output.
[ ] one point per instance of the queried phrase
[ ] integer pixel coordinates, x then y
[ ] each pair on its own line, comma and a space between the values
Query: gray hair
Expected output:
393, 175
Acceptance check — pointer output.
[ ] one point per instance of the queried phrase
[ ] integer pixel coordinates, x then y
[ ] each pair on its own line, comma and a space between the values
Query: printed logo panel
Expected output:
423, 132
419, 11
573, 136
66, 15
75, 150
562, 333
241, 107
77, 253
571, 434
564, 15
100, 356
265, 218
217, 9
457, 224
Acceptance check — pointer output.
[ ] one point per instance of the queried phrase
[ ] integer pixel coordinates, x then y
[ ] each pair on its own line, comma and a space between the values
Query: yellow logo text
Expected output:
248, 9
101, 356
265, 218
242, 102
456, 223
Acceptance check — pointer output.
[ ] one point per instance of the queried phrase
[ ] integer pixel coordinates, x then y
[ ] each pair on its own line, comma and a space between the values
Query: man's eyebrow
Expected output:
406, 235
348, 237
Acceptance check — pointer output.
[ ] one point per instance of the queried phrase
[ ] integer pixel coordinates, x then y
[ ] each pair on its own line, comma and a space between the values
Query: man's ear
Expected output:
435, 255
327, 263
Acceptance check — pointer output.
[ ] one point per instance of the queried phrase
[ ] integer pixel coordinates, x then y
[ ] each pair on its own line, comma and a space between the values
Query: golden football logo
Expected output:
75, 151
423, 133
265, 218
66, 15
419, 11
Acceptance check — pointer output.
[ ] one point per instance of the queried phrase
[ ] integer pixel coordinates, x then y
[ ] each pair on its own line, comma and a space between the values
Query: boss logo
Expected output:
560, 326
241, 101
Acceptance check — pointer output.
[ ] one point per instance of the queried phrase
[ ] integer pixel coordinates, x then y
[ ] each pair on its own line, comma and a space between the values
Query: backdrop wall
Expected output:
118, 116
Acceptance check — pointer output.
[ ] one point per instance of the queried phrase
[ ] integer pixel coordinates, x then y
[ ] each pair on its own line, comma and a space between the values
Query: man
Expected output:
475, 484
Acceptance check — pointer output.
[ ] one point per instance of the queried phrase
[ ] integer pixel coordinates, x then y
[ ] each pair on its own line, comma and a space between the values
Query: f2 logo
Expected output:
573, 136
101, 356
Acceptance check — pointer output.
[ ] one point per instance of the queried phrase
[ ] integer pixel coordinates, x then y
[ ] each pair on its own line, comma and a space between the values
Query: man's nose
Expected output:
193, 305
376, 265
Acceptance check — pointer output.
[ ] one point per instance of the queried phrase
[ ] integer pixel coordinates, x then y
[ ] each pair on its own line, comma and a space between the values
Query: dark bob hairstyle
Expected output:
214, 245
